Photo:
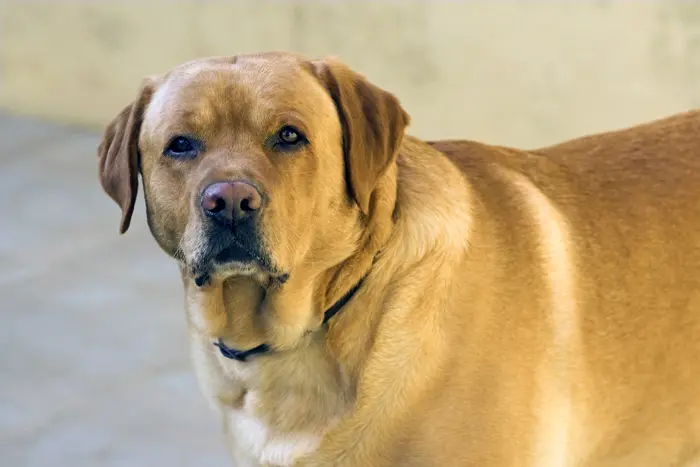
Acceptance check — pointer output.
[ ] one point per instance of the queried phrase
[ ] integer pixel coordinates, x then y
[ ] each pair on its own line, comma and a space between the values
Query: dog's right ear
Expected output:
118, 154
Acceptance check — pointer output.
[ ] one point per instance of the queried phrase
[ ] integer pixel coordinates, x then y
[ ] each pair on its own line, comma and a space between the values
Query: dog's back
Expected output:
604, 231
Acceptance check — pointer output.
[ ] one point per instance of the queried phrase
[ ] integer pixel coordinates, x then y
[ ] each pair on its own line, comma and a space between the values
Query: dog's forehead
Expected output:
246, 73
208, 92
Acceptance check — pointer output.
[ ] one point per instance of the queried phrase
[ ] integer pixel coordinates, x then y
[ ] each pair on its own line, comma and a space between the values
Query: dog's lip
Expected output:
235, 253
236, 257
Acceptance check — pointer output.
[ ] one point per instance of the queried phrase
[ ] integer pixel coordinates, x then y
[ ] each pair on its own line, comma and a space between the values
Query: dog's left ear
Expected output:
373, 126
118, 154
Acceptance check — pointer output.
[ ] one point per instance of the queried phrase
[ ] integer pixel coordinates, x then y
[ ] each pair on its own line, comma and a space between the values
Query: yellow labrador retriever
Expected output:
358, 297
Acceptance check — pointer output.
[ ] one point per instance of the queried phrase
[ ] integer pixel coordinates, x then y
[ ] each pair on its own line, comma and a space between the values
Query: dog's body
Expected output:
515, 308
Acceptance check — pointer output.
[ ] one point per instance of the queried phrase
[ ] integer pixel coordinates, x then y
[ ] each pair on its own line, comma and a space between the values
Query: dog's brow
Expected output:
287, 117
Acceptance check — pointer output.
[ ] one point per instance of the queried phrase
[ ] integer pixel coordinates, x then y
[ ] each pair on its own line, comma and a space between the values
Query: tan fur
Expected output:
519, 308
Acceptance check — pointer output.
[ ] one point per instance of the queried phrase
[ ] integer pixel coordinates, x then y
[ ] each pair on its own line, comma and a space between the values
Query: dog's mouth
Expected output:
233, 258
234, 254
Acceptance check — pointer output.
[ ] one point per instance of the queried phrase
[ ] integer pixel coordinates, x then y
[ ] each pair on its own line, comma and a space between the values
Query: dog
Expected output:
358, 297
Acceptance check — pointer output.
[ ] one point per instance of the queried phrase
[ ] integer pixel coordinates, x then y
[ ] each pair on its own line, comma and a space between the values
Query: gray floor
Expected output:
93, 360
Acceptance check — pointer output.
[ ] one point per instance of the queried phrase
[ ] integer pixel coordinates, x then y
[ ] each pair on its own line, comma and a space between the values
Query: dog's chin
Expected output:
235, 268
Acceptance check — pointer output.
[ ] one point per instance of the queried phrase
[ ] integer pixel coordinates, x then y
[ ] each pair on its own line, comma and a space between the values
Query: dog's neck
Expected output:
242, 355
377, 228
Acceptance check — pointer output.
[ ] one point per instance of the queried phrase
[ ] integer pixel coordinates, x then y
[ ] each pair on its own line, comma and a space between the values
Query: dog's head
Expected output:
261, 165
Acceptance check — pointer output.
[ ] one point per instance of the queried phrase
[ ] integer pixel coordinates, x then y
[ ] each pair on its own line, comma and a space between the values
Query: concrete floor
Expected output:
94, 368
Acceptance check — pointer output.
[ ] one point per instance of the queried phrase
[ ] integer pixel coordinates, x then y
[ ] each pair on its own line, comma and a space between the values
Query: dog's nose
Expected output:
231, 201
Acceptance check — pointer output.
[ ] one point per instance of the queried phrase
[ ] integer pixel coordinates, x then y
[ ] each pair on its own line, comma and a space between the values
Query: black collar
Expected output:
242, 355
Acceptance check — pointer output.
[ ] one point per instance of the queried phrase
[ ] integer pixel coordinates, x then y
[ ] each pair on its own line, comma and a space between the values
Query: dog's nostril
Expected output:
245, 205
213, 203
219, 205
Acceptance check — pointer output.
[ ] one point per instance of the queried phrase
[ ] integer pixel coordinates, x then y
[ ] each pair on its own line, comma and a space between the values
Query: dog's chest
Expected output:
253, 443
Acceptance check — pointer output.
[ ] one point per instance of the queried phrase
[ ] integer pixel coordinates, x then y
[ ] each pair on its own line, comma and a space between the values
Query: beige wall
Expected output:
522, 73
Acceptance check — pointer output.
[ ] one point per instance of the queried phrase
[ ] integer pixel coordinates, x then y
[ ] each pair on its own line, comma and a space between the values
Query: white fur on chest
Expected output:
254, 444
251, 442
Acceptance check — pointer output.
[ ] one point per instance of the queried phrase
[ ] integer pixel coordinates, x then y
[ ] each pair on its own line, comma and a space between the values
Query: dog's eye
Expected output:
182, 147
289, 138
